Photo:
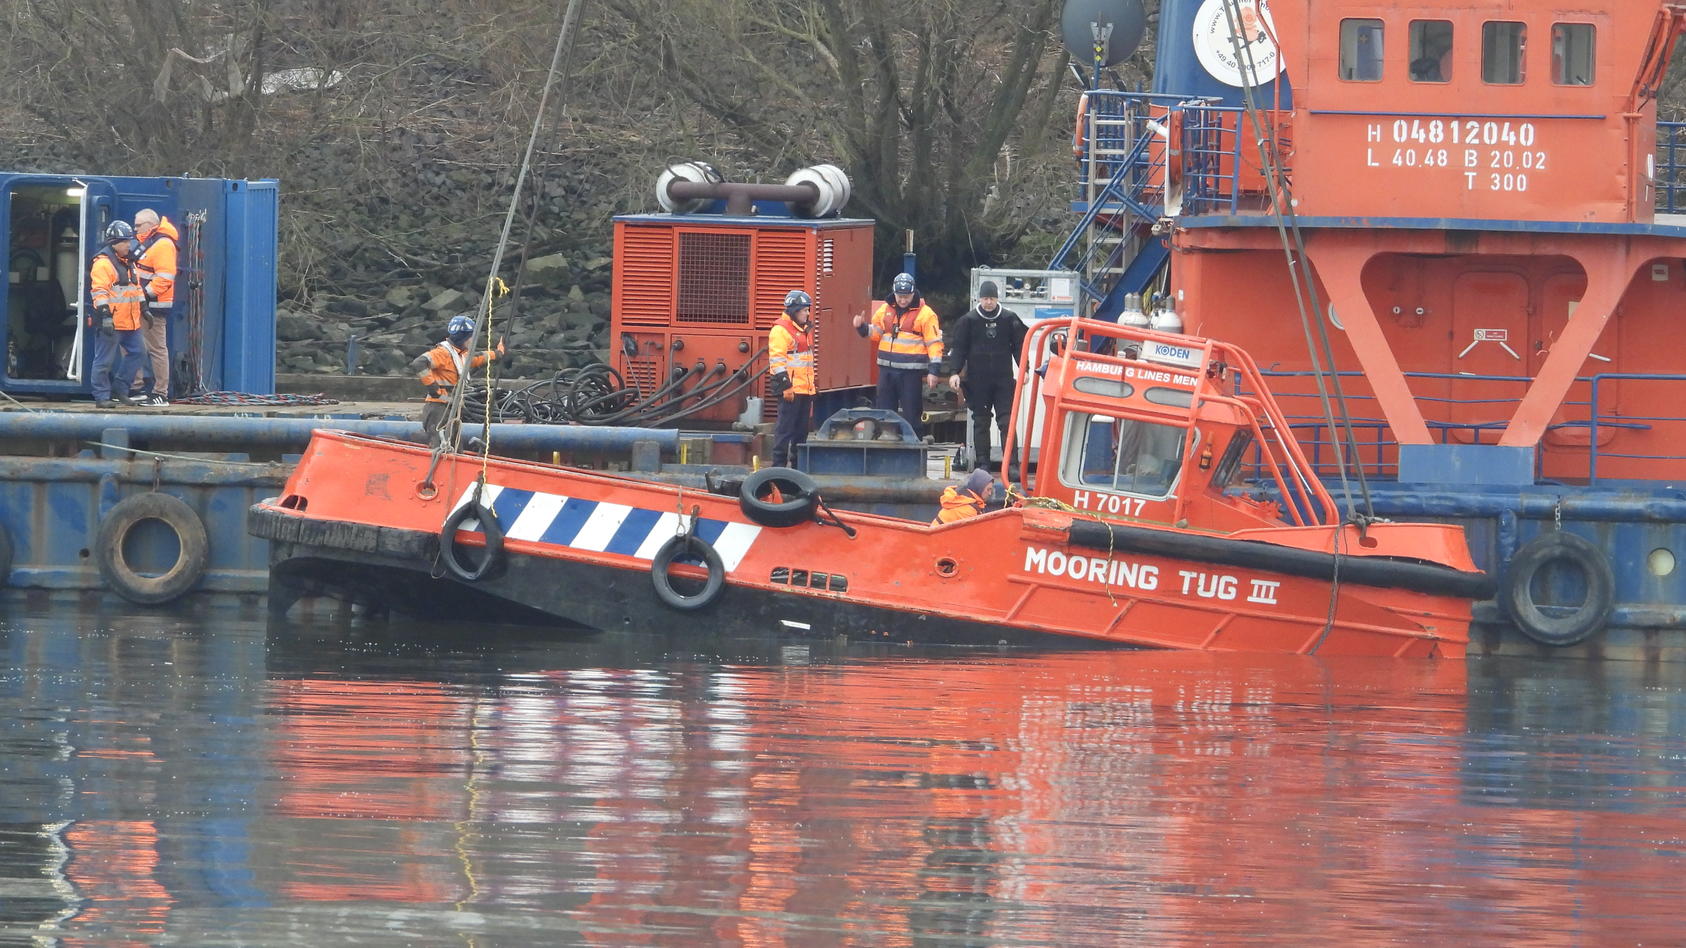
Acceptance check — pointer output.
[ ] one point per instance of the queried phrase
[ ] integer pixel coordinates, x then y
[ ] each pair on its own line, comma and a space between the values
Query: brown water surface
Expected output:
220, 780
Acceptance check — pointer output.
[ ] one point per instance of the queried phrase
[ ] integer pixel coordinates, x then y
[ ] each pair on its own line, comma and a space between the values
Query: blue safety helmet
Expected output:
795, 301
903, 283
118, 230
461, 324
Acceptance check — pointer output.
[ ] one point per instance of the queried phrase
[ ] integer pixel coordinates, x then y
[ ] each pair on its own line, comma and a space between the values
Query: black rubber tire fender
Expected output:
713, 586
1517, 596
182, 575
490, 562
800, 492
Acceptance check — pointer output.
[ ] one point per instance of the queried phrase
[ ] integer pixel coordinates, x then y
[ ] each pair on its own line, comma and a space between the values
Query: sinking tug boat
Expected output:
1146, 524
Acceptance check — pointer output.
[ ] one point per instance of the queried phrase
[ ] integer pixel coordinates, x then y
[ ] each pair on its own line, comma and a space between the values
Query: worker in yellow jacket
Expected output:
790, 375
910, 349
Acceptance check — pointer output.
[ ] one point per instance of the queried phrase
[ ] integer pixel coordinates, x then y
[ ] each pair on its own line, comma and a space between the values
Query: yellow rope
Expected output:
495, 288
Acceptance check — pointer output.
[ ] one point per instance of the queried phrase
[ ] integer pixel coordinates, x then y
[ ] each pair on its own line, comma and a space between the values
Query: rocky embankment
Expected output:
559, 319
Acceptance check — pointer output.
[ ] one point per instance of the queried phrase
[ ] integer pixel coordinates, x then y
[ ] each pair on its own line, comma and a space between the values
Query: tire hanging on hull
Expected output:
1517, 594
113, 563
697, 548
448, 550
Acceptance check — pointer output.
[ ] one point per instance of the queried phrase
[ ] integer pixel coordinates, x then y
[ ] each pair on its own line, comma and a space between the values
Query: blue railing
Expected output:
1671, 167
1215, 153
1377, 449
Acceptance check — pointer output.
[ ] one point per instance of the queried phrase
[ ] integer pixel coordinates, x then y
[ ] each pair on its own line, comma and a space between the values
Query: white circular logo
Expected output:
1216, 49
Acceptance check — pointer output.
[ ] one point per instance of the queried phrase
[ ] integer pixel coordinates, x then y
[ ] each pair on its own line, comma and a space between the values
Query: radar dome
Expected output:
1077, 22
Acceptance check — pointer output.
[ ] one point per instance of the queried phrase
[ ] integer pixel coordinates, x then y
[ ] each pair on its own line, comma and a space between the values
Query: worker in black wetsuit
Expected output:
983, 347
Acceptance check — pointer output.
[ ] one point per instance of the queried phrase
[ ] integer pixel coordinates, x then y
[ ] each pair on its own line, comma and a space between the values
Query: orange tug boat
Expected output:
1150, 455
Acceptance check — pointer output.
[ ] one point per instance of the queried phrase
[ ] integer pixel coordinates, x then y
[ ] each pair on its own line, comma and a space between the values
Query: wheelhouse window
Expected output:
1122, 454
1431, 50
1230, 464
1572, 47
1503, 45
1361, 50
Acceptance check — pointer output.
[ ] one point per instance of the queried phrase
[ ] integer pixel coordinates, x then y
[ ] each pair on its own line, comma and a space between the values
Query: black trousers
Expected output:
903, 392
433, 419
988, 395
796, 417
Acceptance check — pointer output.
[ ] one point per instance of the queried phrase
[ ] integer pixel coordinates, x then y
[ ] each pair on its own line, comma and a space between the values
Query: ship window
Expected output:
1122, 454
1503, 44
1109, 388
1431, 50
1361, 50
1230, 464
1172, 397
1571, 53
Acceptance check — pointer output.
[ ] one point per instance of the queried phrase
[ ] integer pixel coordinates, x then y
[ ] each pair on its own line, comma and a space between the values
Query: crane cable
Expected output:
1293, 248
483, 313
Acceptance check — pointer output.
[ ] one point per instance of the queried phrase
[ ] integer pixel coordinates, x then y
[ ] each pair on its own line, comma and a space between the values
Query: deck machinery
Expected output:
697, 287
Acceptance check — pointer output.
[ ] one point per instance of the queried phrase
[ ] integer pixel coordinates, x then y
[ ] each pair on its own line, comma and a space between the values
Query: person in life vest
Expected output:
910, 349
115, 290
155, 264
441, 367
983, 351
966, 500
790, 375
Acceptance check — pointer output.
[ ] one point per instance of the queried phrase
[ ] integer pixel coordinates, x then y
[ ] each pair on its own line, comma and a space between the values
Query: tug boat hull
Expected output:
585, 550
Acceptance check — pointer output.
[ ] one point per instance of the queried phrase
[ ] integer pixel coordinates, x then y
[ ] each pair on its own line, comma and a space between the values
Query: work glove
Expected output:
106, 322
789, 395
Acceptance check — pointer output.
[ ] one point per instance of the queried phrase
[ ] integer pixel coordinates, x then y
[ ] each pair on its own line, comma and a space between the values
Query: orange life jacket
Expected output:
790, 351
155, 262
112, 282
910, 340
958, 503
445, 364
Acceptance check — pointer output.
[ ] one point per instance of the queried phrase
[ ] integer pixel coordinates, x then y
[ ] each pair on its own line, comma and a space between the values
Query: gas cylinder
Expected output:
67, 265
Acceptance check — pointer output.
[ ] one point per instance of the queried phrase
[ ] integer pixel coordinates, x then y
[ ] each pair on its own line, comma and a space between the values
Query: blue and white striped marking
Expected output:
602, 527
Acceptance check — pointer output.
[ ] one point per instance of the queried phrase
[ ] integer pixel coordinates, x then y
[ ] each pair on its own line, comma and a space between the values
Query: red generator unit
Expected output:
702, 290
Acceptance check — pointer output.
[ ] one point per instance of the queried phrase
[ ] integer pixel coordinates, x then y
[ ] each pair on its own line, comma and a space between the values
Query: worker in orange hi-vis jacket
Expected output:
442, 367
114, 322
790, 375
155, 263
910, 349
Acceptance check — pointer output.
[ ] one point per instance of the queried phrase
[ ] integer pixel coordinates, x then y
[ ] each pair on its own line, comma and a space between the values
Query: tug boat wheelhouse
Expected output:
1136, 531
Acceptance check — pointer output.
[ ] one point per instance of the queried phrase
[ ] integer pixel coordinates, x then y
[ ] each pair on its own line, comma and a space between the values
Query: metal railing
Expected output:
1378, 451
1219, 165
1671, 168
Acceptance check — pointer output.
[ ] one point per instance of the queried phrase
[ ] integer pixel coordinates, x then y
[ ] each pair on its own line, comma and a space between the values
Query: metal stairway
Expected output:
1122, 174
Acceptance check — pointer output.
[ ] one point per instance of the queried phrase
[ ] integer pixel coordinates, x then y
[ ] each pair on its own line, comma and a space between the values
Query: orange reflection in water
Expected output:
1068, 798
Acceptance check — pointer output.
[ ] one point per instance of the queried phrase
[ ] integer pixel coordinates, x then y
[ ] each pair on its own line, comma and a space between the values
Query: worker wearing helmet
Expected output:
115, 291
155, 264
790, 375
910, 349
967, 499
441, 367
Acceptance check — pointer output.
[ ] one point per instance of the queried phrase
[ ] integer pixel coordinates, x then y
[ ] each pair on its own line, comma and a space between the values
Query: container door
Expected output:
1491, 345
51, 227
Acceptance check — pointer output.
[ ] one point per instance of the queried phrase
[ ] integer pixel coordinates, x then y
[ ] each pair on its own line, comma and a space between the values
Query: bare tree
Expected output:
932, 107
